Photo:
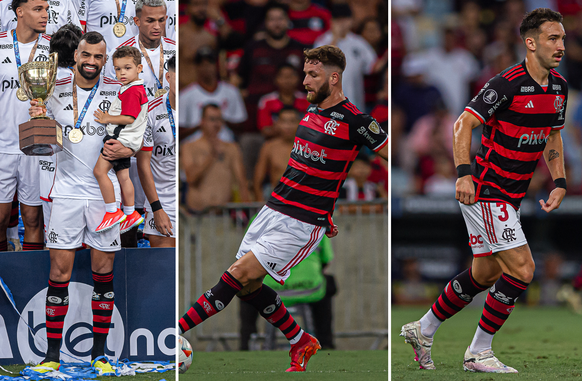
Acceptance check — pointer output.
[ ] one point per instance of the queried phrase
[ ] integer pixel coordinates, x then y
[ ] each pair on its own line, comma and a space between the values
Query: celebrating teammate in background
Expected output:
522, 111
19, 172
156, 163
126, 122
300, 209
77, 202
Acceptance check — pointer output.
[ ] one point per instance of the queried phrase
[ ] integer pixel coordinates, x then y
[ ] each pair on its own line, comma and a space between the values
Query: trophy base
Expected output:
39, 136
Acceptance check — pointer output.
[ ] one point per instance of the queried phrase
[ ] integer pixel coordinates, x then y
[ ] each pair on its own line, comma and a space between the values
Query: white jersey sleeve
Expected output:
61, 12
7, 16
171, 22
159, 139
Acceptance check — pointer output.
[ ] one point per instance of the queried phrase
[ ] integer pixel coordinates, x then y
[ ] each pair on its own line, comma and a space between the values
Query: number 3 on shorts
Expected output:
503, 207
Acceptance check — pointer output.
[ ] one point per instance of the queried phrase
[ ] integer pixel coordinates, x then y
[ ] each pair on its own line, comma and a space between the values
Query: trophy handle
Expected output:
53, 64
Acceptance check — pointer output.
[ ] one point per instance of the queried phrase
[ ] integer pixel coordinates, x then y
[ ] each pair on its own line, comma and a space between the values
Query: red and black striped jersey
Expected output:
518, 115
325, 146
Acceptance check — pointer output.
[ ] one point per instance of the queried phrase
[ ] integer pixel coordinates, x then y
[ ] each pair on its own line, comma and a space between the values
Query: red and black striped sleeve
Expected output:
495, 96
365, 130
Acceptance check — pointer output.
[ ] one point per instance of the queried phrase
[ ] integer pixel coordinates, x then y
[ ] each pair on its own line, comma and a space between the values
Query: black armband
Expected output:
156, 205
560, 183
463, 170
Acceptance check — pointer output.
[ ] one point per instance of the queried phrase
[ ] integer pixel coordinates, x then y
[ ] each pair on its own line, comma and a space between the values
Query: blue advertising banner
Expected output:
143, 322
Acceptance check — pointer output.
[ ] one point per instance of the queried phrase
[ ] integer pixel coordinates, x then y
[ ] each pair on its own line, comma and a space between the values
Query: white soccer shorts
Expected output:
279, 242
492, 227
46, 213
73, 222
19, 172
150, 226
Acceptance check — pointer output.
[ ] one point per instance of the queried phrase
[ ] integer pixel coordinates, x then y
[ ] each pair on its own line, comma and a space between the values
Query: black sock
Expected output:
57, 305
457, 294
102, 306
500, 302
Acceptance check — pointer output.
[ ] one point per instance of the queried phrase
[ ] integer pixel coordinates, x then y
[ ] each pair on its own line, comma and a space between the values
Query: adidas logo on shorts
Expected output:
272, 265
114, 243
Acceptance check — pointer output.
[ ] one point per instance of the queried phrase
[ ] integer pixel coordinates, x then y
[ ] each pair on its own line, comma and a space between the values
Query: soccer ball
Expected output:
185, 355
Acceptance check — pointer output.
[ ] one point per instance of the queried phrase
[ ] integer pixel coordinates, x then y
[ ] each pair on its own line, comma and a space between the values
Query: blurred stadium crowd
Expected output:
443, 52
241, 92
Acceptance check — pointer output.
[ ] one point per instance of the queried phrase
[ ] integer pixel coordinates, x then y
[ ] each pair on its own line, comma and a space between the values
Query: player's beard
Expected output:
89, 76
320, 95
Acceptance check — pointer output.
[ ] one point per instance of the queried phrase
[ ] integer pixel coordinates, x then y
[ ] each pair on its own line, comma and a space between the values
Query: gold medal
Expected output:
21, 95
119, 29
75, 135
160, 92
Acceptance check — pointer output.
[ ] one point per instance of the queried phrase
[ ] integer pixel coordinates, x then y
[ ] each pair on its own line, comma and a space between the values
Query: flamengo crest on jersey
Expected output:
150, 83
74, 165
15, 112
326, 144
159, 139
518, 116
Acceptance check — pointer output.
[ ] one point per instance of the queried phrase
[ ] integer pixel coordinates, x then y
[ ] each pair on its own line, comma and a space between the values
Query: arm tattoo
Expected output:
553, 155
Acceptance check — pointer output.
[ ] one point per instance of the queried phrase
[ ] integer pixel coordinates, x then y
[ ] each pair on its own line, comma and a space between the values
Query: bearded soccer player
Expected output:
300, 209
77, 201
522, 111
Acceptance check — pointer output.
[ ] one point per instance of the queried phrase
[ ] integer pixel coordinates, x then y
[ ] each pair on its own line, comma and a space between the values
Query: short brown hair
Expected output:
128, 51
534, 19
328, 55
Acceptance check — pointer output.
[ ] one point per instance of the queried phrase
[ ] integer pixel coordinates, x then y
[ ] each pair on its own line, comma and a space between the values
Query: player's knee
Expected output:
31, 217
240, 273
488, 279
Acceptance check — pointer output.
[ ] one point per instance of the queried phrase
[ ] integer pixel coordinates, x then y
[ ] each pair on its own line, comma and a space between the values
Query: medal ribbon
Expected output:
145, 54
17, 51
170, 115
120, 10
79, 118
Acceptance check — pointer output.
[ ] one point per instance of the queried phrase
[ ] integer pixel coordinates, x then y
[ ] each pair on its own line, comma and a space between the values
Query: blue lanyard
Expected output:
170, 115
87, 104
122, 12
16, 50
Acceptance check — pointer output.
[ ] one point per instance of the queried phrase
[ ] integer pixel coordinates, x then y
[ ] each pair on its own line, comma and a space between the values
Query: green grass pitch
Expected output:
541, 343
168, 376
271, 365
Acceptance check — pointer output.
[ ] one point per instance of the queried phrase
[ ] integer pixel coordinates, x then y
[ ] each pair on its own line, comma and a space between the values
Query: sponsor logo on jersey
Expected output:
87, 129
556, 87
41, 57
69, 107
532, 139
364, 131
527, 89
529, 105
7, 60
475, 240
162, 116
82, 9
306, 119
308, 153
10, 84
330, 127
337, 115
112, 20
66, 94
46, 165
54, 3
6, 46
490, 96
43, 47
165, 150
496, 105
169, 52
108, 93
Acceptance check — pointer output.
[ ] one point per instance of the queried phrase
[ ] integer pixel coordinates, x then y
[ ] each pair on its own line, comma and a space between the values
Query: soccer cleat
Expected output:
485, 362
46, 366
420, 343
301, 352
132, 220
111, 220
102, 366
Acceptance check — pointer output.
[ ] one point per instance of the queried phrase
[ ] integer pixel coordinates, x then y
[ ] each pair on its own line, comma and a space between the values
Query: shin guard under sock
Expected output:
102, 306
270, 306
57, 305
211, 302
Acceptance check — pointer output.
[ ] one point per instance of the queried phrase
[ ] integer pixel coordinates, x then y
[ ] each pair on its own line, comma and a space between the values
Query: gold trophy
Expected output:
41, 134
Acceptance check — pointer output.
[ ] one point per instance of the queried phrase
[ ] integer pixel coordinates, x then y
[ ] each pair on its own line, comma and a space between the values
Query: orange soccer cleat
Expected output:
111, 220
301, 352
134, 219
